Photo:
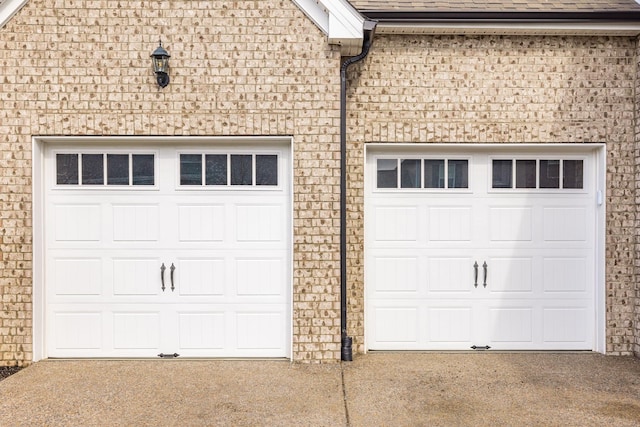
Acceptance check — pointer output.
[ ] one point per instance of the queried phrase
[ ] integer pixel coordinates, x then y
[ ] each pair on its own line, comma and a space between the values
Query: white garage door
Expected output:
167, 250
480, 250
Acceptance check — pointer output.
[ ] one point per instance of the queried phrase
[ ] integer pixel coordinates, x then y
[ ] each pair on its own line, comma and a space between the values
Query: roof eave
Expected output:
340, 21
619, 23
511, 28
8, 9
520, 16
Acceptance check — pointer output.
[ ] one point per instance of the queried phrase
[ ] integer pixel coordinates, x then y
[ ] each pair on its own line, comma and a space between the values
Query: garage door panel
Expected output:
565, 224
396, 224
396, 275
510, 275
259, 276
201, 277
74, 330
566, 324
202, 330
77, 223
260, 330
533, 246
77, 276
514, 224
450, 223
396, 327
136, 276
259, 223
565, 274
510, 325
450, 326
201, 223
133, 223
136, 330
225, 249
450, 274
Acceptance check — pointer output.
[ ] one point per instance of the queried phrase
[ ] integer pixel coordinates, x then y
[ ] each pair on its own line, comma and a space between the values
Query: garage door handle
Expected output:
475, 274
172, 269
486, 268
162, 269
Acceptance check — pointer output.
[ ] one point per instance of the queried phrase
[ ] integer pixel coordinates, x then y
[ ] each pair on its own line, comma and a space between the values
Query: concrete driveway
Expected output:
379, 389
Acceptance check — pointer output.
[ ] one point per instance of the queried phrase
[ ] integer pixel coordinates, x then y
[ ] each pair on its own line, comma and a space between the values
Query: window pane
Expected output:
241, 171
190, 169
433, 173
502, 174
117, 169
215, 169
572, 174
458, 173
549, 173
143, 169
525, 174
387, 173
92, 169
266, 170
67, 169
410, 173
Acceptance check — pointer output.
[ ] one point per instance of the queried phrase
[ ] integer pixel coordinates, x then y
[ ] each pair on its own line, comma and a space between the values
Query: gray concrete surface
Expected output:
379, 389
514, 389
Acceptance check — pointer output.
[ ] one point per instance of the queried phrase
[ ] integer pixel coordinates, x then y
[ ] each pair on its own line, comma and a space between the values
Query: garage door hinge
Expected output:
168, 356
475, 347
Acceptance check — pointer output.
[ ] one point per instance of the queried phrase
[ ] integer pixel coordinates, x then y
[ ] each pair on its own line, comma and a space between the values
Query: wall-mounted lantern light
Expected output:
160, 58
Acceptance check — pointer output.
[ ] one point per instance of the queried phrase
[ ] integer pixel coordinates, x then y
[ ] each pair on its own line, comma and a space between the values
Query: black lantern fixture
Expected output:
160, 58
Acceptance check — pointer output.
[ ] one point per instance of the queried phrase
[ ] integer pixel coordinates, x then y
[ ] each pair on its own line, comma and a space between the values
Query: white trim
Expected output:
290, 171
160, 140
340, 21
344, 21
600, 303
598, 150
37, 175
9, 8
316, 12
510, 28
39, 144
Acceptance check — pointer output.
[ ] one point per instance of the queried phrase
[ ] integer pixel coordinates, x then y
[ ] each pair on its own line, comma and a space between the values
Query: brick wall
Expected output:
491, 89
237, 68
636, 321
263, 68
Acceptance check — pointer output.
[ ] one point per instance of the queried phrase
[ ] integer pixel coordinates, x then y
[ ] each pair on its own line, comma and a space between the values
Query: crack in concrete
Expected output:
344, 396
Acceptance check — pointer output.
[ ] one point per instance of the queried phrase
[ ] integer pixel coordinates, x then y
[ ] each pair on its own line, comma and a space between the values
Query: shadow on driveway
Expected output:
462, 389
381, 389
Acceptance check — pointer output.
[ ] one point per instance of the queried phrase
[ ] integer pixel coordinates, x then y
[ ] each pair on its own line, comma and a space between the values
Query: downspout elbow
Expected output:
346, 341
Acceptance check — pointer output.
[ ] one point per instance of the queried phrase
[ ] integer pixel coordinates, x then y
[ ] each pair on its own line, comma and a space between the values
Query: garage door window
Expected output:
537, 174
228, 169
100, 169
422, 173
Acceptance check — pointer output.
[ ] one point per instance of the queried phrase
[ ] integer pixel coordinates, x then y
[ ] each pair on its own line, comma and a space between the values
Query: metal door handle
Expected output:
485, 267
475, 274
162, 269
173, 268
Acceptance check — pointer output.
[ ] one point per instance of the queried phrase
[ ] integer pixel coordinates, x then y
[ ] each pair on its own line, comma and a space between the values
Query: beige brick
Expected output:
516, 89
256, 68
263, 68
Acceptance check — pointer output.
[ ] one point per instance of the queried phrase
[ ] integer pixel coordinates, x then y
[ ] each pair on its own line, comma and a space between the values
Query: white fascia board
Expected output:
344, 21
316, 12
8, 8
342, 24
511, 28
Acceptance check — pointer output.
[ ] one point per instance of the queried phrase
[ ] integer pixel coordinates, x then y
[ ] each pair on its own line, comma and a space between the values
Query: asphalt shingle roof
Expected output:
497, 5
